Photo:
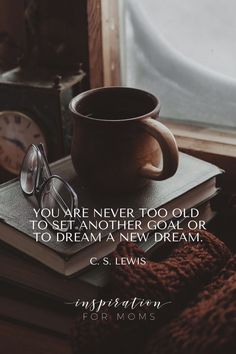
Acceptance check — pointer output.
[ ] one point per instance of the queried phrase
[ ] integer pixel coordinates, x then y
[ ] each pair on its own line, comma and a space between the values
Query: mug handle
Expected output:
169, 149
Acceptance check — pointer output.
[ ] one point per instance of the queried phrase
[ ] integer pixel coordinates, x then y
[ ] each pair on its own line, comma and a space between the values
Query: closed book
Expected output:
25, 272
193, 183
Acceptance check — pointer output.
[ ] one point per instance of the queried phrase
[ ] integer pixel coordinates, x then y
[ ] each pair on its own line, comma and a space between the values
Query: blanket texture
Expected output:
197, 281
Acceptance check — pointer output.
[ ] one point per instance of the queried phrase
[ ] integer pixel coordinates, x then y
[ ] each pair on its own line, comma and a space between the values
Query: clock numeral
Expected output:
6, 119
17, 119
36, 136
28, 125
1, 150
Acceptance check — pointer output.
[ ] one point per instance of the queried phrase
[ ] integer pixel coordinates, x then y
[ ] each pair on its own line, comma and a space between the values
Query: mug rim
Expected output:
76, 99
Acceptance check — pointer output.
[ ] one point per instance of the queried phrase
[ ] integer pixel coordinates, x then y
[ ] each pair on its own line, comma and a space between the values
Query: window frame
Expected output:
104, 53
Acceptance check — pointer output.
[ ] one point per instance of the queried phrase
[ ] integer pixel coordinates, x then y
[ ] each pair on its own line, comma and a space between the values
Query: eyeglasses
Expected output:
51, 191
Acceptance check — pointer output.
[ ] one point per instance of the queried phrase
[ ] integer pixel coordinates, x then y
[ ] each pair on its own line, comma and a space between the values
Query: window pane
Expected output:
185, 52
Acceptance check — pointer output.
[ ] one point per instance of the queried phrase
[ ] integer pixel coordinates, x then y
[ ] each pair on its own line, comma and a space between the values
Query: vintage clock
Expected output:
33, 109
17, 131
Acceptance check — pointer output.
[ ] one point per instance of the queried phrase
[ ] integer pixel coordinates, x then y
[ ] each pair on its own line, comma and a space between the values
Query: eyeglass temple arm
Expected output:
43, 152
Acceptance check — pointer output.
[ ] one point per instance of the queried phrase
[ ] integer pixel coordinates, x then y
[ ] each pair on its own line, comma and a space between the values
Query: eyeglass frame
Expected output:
39, 188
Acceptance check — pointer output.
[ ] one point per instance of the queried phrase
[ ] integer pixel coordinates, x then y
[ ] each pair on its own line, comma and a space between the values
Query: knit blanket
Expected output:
197, 281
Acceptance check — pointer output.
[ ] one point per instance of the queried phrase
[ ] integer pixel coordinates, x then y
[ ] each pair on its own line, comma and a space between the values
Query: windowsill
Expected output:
214, 145
203, 139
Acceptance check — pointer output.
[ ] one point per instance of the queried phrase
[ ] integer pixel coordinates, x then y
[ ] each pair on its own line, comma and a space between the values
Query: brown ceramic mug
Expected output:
117, 140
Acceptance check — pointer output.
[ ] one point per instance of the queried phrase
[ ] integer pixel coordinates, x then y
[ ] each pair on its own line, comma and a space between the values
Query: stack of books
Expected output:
61, 270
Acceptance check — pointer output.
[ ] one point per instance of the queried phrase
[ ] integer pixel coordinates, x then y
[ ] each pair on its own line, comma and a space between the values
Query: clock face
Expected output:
17, 132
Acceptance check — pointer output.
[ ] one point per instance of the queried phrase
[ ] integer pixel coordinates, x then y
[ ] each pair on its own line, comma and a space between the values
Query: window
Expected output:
185, 52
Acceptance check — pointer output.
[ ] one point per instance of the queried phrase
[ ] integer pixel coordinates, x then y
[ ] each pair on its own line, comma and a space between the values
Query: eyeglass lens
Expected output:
29, 170
56, 196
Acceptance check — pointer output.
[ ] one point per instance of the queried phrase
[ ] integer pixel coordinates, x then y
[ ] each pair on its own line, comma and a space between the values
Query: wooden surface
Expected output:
95, 43
216, 145
32, 323
19, 339
110, 41
103, 35
220, 141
